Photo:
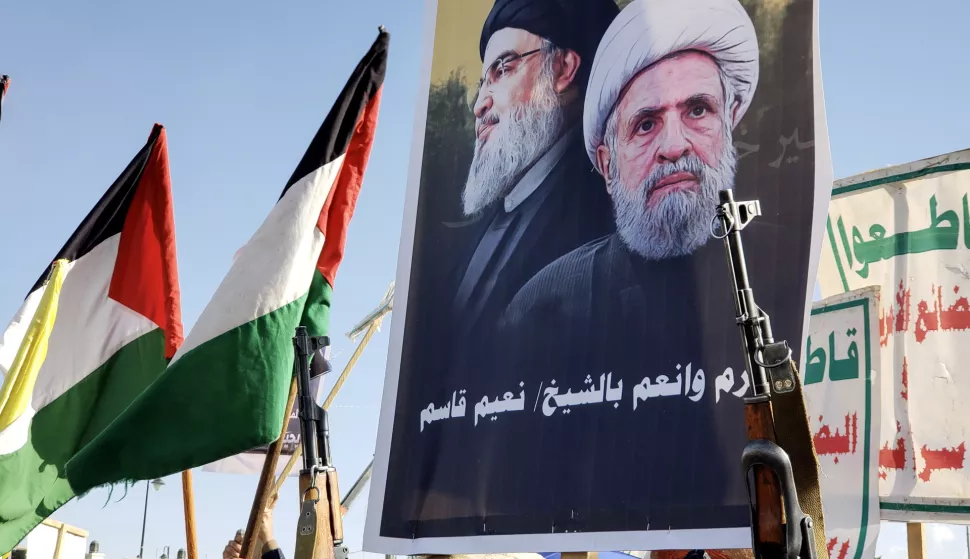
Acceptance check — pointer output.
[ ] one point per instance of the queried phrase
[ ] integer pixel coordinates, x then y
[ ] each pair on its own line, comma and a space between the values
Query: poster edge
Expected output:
823, 180
392, 367
714, 538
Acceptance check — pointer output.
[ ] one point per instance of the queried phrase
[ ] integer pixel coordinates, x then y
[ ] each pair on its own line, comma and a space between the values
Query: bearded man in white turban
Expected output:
659, 114
670, 81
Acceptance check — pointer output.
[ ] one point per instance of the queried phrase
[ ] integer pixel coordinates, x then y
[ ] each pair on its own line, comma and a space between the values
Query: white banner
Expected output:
907, 230
841, 392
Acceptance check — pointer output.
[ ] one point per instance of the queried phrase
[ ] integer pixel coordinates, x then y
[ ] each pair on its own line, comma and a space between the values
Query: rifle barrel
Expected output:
755, 333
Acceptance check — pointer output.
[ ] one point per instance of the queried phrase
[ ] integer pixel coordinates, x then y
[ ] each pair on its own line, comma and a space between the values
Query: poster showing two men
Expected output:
565, 371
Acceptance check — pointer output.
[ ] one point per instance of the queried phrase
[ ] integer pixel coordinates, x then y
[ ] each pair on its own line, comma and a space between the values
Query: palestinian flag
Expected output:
118, 321
4, 86
225, 390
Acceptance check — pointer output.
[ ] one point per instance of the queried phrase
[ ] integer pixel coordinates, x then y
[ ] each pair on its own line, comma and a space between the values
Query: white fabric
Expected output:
89, 328
275, 267
15, 436
647, 31
13, 336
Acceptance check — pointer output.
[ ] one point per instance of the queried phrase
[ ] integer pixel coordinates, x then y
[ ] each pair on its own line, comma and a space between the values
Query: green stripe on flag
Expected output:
244, 374
316, 314
39, 486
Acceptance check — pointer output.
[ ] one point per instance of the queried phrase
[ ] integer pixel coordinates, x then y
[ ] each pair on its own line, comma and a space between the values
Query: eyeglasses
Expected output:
499, 69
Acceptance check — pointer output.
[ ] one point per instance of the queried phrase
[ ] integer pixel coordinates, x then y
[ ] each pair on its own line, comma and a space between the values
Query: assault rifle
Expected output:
779, 436
319, 530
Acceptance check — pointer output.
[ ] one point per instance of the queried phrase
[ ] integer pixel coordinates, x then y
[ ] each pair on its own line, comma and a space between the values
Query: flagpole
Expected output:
144, 521
188, 501
261, 499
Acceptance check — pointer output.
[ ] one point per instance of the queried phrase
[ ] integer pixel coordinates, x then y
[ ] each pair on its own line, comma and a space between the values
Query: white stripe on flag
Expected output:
275, 267
90, 327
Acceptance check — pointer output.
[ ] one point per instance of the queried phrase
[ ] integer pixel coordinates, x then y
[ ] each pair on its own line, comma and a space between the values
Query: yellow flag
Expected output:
18, 387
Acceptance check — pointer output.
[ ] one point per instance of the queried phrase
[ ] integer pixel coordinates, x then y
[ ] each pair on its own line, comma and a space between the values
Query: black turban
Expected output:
577, 25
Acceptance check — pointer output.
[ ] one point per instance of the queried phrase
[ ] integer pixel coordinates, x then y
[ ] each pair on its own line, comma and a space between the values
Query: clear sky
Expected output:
242, 86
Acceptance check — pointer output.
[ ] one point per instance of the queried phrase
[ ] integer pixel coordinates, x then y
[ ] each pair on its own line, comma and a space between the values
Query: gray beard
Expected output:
513, 145
680, 223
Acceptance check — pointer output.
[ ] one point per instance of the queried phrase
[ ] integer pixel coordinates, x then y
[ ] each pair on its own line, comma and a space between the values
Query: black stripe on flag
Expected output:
107, 218
4, 84
334, 135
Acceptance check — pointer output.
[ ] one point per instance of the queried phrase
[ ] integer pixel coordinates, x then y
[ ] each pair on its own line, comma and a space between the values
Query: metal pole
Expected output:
358, 487
968, 540
144, 519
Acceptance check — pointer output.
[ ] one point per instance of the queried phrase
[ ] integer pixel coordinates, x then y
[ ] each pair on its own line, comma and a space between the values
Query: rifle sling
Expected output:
795, 437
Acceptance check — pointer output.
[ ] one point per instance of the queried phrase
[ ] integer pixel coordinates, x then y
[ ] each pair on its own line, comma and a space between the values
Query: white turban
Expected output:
647, 31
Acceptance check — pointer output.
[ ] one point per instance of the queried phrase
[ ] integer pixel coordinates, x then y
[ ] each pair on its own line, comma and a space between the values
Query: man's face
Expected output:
517, 115
667, 154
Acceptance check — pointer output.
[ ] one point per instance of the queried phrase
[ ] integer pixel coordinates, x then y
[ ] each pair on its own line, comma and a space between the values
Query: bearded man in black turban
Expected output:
532, 189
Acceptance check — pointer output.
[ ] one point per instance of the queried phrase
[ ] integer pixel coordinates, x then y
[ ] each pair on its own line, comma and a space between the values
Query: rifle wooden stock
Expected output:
770, 516
329, 522
336, 514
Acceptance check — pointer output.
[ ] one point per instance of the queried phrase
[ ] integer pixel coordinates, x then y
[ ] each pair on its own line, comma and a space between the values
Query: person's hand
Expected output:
265, 533
233, 548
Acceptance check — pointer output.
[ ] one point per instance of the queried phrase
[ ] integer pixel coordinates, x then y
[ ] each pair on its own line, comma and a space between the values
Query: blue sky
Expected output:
242, 86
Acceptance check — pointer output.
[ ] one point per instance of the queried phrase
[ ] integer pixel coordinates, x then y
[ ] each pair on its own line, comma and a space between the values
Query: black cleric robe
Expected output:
604, 317
559, 204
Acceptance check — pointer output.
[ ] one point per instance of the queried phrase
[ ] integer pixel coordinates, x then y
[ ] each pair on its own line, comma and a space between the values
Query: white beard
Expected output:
680, 222
514, 144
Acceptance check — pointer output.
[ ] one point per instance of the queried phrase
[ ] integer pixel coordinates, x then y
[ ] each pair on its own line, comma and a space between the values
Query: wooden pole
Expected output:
371, 330
188, 501
263, 494
353, 361
60, 541
914, 540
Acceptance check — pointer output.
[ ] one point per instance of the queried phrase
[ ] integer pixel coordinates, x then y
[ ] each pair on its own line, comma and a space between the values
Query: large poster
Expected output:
907, 230
842, 394
565, 370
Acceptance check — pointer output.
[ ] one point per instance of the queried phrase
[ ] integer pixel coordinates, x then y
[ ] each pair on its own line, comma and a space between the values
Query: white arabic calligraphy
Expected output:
725, 382
661, 386
508, 402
